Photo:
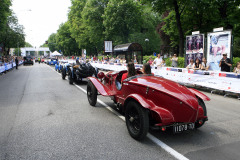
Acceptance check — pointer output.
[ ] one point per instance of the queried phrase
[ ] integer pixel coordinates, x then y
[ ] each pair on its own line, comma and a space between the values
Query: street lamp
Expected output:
146, 41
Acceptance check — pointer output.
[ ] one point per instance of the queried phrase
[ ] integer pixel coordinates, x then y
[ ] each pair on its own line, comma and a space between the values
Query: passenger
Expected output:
174, 60
146, 69
131, 71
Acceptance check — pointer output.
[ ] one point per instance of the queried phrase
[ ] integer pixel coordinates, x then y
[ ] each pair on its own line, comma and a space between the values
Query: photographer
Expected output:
225, 63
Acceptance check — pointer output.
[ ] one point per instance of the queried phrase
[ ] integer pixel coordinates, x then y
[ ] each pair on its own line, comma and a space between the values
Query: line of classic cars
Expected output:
147, 101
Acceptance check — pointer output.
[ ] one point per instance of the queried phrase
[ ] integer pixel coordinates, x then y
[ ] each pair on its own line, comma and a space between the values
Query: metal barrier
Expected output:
8, 66
214, 80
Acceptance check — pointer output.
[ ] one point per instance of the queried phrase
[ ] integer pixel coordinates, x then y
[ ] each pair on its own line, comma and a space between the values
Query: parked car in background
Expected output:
52, 61
27, 60
36, 59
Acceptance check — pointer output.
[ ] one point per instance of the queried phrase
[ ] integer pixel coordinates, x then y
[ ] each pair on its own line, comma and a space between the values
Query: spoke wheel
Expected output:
91, 94
137, 120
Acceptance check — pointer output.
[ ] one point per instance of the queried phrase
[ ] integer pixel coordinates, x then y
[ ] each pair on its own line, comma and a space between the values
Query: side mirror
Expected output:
101, 75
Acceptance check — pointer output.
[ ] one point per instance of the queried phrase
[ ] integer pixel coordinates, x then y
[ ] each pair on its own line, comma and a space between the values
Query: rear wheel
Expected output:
91, 93
202, 104
70, 78
137, 120
64, 73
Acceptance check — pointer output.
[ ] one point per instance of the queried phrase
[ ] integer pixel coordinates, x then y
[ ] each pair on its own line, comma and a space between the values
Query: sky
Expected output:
40, 18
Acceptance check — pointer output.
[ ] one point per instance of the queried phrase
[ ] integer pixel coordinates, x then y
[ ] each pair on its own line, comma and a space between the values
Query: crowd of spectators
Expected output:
9, 59
225, 64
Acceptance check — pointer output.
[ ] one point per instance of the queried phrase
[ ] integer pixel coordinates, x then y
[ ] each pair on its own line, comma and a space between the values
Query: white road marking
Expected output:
158, 142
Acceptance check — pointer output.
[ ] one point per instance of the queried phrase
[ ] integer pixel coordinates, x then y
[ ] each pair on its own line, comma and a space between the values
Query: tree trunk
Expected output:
179, 26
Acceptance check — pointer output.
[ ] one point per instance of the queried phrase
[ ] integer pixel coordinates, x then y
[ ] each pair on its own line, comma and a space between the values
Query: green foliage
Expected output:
200, 16
17, 52
235, 60
150, 20
4, 12
168, 62
120, 19
28, 44
65, 42
181, 62
12, 36
52, 42
146, 58
236, 47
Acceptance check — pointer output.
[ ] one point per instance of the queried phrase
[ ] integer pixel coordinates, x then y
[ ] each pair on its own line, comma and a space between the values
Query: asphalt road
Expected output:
43, 117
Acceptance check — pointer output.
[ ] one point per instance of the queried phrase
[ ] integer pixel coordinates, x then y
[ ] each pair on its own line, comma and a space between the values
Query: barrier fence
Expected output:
9, 66
215, 80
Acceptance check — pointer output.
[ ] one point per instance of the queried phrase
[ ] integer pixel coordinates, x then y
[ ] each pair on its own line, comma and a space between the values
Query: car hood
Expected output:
169, 87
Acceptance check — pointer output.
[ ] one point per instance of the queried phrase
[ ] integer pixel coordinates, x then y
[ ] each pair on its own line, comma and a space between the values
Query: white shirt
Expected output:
203, 64
157, 61
190, 66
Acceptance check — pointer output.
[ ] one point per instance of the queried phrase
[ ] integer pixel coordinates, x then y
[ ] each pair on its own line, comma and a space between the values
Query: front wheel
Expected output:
137, 120
202, 104
91, 93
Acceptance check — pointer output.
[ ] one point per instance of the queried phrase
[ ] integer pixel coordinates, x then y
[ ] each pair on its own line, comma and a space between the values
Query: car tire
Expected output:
91, 93
137, 120
63, 73
202, 104
70, 78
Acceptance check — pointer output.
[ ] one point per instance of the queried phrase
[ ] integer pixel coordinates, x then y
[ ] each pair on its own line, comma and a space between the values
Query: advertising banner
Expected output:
108, 46
194, 48
218, 44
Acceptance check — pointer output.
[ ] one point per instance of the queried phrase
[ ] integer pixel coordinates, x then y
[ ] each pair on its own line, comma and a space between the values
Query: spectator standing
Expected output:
237, 68
117, 60
174, 60
16, 61
225, 63
135, 60
157, 61
150, 61
162, 64
124, 60
205, 65
94, 58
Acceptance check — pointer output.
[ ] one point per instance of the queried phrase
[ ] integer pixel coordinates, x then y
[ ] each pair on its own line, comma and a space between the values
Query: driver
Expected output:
131, 71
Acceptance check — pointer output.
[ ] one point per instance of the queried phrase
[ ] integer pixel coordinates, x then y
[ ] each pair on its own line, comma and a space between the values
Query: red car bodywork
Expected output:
167, 101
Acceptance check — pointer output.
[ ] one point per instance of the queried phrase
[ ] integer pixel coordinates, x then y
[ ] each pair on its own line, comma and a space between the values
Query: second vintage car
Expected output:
150, 101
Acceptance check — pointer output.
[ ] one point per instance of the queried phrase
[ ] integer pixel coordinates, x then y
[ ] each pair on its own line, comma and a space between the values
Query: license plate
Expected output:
183, 127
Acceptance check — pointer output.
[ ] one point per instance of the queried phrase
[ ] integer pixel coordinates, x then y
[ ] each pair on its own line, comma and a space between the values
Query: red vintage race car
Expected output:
150, 101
